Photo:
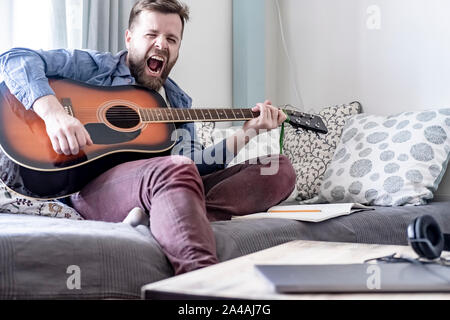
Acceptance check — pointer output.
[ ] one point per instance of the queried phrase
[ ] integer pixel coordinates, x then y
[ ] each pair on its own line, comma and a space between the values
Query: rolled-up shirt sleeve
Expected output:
26, 71
24, 74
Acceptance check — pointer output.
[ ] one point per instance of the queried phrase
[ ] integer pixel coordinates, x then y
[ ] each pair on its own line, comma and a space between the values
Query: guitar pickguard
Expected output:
101, 134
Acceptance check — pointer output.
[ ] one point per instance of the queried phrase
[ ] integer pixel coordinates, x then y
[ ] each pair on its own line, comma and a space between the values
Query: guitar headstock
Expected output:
301, 120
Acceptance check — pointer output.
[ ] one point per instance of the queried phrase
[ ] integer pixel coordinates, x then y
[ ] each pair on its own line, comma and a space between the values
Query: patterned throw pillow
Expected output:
311, 153
11, 202
389, 161
204, 132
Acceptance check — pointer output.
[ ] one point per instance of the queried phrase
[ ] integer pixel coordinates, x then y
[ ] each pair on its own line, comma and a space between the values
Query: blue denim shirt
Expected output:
26, 73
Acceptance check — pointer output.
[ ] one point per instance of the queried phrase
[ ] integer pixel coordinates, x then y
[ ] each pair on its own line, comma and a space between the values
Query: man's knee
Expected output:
174, 167
169, 168
169, 164
180, 161
170, 172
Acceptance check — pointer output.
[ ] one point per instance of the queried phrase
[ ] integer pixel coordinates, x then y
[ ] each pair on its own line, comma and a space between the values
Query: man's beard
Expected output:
138, 69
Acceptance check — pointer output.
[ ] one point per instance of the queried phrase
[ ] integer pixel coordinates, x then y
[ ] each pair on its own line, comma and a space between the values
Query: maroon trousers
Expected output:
181, 204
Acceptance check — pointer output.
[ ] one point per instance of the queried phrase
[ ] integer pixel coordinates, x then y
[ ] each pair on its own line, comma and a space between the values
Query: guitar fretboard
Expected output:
196, 115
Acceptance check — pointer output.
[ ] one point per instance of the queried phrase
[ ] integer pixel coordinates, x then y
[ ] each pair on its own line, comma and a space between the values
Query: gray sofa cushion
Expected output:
115, 260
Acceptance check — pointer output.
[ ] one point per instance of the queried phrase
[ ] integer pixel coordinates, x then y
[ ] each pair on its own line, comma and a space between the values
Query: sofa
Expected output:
116, 260
40, 254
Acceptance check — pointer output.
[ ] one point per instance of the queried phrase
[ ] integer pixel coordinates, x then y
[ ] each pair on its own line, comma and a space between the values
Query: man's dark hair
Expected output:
162, 6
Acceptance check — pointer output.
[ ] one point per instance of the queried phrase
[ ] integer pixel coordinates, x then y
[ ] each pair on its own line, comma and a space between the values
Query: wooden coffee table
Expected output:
239, 279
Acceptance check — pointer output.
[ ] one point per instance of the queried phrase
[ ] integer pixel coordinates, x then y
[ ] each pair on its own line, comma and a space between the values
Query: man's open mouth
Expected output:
156, 64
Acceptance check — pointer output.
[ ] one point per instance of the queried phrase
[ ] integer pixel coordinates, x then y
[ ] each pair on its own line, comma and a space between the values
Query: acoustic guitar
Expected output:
126, 123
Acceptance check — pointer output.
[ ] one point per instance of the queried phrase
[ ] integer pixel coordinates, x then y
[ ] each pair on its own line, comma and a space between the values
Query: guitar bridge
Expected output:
67, 104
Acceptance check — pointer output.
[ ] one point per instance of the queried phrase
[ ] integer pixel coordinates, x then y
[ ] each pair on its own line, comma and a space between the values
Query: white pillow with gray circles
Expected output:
389, 161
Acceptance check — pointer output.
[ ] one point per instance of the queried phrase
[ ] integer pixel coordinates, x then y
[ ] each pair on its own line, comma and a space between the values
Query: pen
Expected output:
296, 211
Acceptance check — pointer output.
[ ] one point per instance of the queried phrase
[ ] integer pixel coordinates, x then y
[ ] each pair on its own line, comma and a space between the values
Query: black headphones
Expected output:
426, 238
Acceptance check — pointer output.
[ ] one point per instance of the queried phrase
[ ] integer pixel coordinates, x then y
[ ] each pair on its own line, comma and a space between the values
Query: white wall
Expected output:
404, 65
204, 69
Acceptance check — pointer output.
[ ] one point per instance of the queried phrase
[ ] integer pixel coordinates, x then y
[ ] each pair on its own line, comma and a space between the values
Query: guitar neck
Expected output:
196, 115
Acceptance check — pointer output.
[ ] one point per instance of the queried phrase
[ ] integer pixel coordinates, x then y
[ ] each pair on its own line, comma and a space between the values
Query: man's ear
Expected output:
128, 36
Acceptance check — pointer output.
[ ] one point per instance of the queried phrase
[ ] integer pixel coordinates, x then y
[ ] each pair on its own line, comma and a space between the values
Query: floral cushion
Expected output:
11, 202
204, 132
311, 153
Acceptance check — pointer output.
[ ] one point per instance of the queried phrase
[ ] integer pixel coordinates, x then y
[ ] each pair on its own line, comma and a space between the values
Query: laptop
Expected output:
357, 278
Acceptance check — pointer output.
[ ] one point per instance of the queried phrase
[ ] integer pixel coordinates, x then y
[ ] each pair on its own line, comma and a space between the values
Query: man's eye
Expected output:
151, 35
172, 41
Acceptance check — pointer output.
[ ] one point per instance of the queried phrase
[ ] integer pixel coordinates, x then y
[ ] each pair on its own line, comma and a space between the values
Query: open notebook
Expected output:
309, 213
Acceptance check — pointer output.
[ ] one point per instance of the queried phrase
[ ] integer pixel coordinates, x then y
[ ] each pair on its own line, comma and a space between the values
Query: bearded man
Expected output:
180, 197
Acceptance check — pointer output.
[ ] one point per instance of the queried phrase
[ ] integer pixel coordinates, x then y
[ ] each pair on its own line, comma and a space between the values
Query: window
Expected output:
41, 24
31, 24
74, 23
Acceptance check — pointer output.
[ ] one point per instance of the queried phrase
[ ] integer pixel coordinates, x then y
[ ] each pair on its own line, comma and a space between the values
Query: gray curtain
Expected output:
58, 24
105, 23
103, 26
6, 25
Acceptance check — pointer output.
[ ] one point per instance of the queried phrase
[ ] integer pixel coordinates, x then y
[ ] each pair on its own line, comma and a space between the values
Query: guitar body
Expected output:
31, 167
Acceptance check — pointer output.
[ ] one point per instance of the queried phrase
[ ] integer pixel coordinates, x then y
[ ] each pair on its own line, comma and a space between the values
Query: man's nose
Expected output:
161, 43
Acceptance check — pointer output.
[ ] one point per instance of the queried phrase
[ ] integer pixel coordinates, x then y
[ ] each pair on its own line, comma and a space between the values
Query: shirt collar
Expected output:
122, 68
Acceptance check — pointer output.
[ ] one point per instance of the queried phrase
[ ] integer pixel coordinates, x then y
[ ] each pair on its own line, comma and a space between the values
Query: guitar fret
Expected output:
161, 114
222, 114
177, 114
230, 114
183, 112
248, 114
214, 114
203, 114
148, 115
151, 113
157, 117
241, 116
183, 115
188, 113
142, 115
169, 114
193, 114
201, 117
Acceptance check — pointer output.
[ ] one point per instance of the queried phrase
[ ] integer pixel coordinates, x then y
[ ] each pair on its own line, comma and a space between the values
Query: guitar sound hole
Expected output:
123, 117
